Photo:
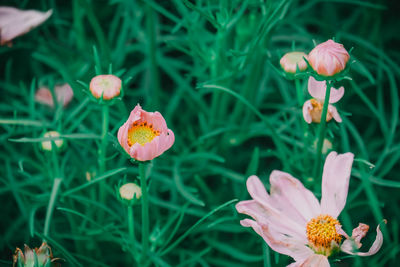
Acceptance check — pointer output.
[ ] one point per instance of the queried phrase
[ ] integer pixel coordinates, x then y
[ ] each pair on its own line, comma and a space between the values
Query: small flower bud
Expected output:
108, 86
47, 145
129, 191
292, 61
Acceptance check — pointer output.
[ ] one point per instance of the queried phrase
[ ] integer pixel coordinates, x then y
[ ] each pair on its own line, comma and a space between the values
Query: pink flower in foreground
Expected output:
328, 58
312, 109
107, 85
145, 135
15, 22
293, 222
64, 95
292, 61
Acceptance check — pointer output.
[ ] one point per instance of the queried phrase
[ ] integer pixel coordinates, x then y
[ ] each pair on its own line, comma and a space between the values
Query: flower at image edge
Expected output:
293, 222
15, 22
145, 135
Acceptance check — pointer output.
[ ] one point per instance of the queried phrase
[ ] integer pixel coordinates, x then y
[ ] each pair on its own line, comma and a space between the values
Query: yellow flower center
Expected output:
316, 112
141, 133
322, 235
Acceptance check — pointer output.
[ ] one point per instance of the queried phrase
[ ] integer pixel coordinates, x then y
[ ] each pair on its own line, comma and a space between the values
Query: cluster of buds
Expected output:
328, 61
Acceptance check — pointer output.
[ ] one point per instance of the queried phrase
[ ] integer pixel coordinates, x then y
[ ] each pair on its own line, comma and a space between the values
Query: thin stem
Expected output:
131, 227
145, 212
322, 130
50, 206
102, 155
299, 91
154, 81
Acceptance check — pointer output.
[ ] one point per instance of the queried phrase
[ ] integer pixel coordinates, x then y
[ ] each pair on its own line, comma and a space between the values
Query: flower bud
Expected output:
129, 191
108, 86
292, 61
47, 145
328, 58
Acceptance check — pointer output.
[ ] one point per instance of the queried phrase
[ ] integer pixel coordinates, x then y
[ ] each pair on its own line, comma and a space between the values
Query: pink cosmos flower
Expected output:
293, 60
15, 22
107, 85
328, 58
64, 95
312, 109
145, 135
293, 222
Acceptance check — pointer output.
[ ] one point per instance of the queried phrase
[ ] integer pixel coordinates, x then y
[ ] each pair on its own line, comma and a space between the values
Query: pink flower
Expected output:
328, 58
293, 60
64, 95
312, 109
145, 135
107, 85
293, 222
15, 22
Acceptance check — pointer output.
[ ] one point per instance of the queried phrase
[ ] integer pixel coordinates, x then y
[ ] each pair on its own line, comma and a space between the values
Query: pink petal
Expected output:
106, 86
64, 94
349, 245
279, 242
15, 22
296, 201
307, 107
317, 89
335, 182
315, 260
293, 60
334, 113
277, 221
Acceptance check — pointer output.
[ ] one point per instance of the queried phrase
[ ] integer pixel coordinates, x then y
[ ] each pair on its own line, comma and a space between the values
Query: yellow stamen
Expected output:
316, 112
322, 235
142, 133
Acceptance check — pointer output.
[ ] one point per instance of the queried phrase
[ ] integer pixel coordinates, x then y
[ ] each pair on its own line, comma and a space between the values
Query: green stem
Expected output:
145, 211
50, 206
102, 156
154, 82
322, 130
131, 227
299, 91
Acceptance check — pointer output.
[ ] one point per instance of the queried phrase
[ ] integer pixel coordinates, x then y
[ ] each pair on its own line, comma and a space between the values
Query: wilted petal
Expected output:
350, 245
290, 195
278, 241
335, 183
317, 89
15, 22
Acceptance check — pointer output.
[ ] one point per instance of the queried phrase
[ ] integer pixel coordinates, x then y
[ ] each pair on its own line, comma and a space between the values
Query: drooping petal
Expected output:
279, 242
334, 113
64, 95
307, 107
315, 260
15, 22
335, 182
349, 246
290, 195
317, 89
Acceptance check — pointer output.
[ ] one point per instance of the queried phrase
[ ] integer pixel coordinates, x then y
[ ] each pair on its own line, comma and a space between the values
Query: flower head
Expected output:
293, 222
312, 109
328, 58
64, 95
145, 135
48, 145
129, 191
15, 22
108, 86
292, 61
